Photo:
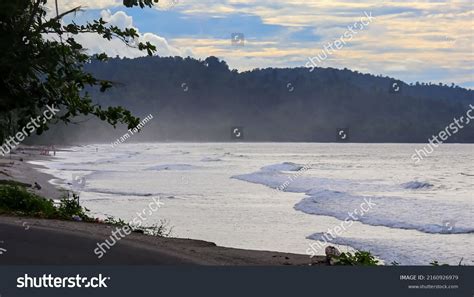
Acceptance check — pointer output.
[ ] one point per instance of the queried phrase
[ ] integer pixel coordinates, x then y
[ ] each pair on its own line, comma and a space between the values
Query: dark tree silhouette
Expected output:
43, 65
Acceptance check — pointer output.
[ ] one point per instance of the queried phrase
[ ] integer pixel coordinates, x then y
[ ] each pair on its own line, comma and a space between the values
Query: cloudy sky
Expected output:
426, 41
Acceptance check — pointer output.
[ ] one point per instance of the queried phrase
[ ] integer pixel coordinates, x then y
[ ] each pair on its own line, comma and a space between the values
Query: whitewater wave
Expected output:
274, 176
333, 197
285, 166
393, 212
405, 251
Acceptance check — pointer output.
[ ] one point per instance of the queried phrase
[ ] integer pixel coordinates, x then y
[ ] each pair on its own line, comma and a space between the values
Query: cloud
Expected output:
411, 40
119, 19
96, 44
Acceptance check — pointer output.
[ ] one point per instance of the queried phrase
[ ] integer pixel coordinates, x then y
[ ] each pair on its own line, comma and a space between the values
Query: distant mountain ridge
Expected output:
195, 100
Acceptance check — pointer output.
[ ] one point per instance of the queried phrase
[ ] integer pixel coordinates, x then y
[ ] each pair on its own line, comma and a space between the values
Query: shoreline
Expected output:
17, 168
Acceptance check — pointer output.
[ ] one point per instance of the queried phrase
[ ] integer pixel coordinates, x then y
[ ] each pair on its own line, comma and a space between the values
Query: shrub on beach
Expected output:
70, 208
358, 258
17, 200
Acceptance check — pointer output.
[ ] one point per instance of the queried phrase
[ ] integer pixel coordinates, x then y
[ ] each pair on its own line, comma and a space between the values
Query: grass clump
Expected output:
162, 229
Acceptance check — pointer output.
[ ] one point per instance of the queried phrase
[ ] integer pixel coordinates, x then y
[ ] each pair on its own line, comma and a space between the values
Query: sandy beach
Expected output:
16, 167
74, 242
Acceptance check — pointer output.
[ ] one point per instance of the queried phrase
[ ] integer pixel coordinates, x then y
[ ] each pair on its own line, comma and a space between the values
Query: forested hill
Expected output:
195, 100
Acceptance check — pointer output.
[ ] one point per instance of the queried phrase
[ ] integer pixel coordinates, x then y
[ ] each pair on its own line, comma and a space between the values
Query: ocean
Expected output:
286, 196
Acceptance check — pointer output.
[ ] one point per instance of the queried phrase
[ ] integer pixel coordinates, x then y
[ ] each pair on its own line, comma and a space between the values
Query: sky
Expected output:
425, 41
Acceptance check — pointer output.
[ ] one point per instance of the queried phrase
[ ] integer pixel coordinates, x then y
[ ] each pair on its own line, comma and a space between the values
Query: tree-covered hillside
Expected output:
195, 100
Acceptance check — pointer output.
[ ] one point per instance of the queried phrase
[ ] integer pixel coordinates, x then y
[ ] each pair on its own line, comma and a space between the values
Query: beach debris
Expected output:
37, 186
332, 253
76, 218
